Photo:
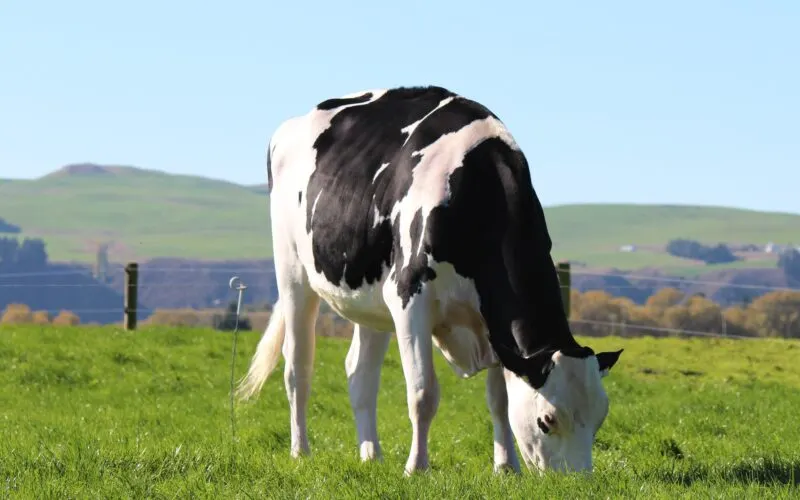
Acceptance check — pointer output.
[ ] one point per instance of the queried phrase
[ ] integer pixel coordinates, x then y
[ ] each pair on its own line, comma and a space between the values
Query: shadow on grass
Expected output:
757, 470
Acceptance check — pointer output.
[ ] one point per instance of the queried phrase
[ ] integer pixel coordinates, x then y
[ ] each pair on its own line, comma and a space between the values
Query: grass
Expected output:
99, 412
152, 214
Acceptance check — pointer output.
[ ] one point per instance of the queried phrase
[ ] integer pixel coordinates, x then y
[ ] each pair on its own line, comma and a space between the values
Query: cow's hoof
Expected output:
413, 470
505, 469
370, 452
298, 453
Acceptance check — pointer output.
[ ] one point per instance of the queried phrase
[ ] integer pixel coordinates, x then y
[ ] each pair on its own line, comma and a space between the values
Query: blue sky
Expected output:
618, 101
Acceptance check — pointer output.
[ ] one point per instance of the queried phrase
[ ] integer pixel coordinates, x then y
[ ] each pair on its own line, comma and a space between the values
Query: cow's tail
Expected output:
267, 354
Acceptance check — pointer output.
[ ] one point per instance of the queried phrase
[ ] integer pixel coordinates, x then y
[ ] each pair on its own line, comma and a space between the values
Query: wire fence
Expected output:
259, 270
671, 281
164, 288
621, 328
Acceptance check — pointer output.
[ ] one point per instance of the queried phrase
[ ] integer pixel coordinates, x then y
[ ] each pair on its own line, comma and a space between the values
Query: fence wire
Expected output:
151, 278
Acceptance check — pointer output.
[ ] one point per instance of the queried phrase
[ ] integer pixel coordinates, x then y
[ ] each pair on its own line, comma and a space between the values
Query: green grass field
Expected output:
150, 214
102, 413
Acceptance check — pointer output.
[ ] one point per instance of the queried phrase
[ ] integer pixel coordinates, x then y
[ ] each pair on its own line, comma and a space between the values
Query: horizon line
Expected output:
258, 185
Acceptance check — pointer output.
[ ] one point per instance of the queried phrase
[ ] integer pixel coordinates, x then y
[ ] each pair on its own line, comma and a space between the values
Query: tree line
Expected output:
27, 255
596, 312
7, 227
593, 313
690, 249
21, 314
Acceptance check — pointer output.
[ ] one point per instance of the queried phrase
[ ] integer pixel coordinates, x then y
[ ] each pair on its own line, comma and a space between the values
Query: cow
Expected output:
411, 210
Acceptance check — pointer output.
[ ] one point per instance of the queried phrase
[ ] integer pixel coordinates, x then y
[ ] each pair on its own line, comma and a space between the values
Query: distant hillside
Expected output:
259, 188
145, 214
593, 234
148, 214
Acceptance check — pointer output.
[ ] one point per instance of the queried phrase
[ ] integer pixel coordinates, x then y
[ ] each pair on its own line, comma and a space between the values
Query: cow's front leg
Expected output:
363, 367
413, 329
505, 455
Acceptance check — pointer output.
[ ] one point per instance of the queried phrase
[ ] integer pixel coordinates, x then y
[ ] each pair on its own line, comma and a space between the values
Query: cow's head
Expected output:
556, 406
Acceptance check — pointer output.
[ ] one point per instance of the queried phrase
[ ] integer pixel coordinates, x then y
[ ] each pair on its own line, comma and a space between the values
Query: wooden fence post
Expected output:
131, 291
565, 280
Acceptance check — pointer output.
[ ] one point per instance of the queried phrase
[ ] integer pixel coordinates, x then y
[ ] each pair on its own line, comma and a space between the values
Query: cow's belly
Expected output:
459, 330
462, 337
466, 351
364, 305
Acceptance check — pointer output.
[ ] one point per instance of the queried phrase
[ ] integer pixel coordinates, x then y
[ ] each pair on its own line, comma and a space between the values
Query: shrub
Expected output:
180, 317
66, 318
227, 321
663, 299
690, 249
737, 322
16, 314
695, 314
775, 314
40, 318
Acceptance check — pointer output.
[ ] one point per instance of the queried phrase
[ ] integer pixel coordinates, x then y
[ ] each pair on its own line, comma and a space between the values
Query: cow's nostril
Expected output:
542, 425
549, 419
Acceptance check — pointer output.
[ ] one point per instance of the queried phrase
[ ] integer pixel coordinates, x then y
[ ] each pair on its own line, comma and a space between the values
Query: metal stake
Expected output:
235, 284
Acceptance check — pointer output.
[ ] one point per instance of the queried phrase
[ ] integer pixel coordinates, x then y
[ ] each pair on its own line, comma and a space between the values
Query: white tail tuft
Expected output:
266, 357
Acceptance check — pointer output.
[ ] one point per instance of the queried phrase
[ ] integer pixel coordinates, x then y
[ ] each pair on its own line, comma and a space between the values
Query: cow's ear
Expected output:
538, 367
606, 360
510, 359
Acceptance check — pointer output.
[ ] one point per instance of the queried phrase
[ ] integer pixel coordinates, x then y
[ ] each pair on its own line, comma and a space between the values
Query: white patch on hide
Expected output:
429, 187
381, 169
409, 129
377, 218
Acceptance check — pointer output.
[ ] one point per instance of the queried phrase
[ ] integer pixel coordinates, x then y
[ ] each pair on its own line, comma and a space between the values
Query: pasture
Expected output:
100, 412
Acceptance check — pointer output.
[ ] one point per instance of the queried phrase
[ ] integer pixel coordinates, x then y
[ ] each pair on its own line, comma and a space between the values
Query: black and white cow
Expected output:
411, 210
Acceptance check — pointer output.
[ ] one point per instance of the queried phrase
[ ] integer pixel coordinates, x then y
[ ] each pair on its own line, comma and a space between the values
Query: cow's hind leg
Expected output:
301, 307
505, 455
413, 328
363, 368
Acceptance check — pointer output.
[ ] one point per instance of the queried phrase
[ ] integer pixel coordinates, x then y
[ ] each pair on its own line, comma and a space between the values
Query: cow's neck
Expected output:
522, 306
519, 287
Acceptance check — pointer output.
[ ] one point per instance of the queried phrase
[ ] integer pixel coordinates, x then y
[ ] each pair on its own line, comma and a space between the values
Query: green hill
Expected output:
595, 233
147, 214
